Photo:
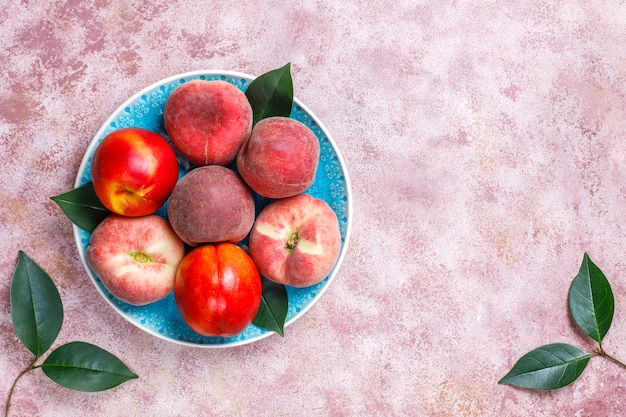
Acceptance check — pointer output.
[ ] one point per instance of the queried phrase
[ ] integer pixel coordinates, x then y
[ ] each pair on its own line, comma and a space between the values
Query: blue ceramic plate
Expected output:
162, 319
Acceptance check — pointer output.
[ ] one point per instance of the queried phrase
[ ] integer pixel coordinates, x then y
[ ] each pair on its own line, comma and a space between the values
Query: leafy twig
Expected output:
37, 314
592, 305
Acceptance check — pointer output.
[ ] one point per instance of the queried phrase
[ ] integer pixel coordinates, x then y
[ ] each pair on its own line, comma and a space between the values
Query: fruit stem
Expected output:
292, 242
24, 372
140, 257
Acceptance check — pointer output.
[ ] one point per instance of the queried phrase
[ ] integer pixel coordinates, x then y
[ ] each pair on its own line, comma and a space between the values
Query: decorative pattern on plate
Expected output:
145, 109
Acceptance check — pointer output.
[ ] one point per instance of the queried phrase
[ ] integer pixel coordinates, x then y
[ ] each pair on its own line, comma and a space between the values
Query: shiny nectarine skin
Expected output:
133, 171
218, 290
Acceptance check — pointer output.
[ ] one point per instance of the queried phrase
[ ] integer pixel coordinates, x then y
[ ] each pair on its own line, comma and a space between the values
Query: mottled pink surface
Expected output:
486, 146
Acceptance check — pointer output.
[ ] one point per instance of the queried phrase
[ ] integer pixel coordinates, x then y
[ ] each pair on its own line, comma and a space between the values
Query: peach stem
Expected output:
140, 257
292, 242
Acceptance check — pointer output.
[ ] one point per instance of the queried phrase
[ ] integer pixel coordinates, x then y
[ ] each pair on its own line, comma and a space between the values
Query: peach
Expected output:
136, 258
211, 204
208, 121
133, 171
218, 289
280, 158
296, 241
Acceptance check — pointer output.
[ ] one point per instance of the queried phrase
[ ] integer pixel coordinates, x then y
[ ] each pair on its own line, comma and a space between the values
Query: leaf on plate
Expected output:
273, 309
82, 207
548, 367
36, 306
591, 301
85, 367
271, 94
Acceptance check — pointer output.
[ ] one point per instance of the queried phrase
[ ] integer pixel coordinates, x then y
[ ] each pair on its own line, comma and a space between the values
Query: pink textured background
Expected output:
485, 140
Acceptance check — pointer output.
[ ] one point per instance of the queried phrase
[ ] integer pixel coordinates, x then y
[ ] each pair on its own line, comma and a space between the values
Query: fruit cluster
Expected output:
195, 252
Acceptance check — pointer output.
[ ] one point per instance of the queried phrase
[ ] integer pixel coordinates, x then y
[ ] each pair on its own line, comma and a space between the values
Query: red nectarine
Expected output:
218, 290
133, 171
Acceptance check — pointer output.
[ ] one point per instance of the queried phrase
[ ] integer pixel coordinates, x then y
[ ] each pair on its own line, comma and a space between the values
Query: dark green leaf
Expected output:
36, 306
271, 94
85, 367
591, 300
548, 367
82, 207
273, 309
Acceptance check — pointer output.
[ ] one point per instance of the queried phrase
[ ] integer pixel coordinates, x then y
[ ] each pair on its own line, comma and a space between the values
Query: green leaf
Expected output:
271, 94
548, 367
36, 306
85, 367
82, 207
591, 301
273, 309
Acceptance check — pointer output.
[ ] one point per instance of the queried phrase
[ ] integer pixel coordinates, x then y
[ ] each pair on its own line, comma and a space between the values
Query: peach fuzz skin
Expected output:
218, 290
133, 171
280, 158
296, 241
208, 121
211, 204
136, 258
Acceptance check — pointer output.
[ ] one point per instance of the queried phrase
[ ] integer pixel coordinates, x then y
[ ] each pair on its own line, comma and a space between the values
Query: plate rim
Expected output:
233, 74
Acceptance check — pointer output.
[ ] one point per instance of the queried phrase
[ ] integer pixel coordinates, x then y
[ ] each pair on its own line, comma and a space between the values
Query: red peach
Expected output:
280, 158
208, 121
211, 204
296, 241
133, 171
136, 258
218, 290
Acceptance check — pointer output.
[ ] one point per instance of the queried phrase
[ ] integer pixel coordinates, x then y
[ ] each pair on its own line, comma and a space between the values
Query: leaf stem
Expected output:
24, 372
601, 352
